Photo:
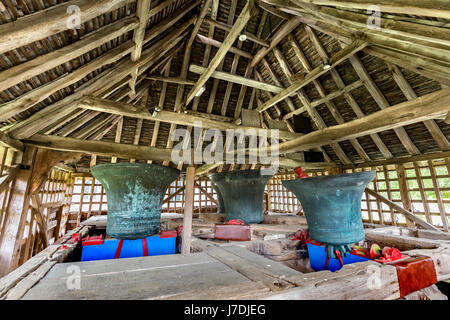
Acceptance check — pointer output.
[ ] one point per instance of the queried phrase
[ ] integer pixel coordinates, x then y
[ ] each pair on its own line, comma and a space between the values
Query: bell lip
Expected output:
366, 176
131, 165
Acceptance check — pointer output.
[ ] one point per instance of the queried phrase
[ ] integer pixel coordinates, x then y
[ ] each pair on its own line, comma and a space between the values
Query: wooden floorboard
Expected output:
137, 278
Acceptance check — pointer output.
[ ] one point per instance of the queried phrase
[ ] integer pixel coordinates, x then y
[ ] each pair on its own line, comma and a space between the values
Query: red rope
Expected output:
326, 261
119, 248
338, 254
144, 246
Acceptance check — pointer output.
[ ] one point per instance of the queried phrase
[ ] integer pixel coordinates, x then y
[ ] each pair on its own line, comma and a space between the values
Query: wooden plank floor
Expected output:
138, 278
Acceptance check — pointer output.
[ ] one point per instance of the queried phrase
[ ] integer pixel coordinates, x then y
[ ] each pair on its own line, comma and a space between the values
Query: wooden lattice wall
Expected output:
55, 197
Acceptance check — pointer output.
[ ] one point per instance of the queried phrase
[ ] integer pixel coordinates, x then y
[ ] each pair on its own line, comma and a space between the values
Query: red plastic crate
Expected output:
415, 273
232, 232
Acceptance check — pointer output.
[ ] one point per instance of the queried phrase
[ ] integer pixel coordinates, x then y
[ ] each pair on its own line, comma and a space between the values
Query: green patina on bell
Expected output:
332, 205
242, 192
135, 192
220, 204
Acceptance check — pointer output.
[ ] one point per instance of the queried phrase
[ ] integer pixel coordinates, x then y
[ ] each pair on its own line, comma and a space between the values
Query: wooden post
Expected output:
404, 192
188, 209
16, 214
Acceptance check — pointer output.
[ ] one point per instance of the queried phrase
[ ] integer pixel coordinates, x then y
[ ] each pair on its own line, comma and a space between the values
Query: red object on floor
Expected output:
390, 254
76, 237
168, 234
91, 241
235, 221
415, 273
301, 235
232, 232
300, 173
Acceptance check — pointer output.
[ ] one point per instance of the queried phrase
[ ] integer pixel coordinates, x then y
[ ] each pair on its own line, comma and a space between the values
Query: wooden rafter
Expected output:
314, 74
48, 22
340, 83
412, 111
435, 8
248, 11
106, 80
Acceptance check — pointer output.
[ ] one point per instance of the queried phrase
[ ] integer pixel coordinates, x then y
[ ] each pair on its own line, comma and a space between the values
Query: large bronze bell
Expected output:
242, 192
135, 192
332, 205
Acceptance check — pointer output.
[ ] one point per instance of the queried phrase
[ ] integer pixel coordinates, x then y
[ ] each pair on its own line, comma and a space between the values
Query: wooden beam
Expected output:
184, 73
381, 101
404, 191
8, 177
412, 111
101, 148
188, 210
8, 142
218, 44
16, 215
247, 12
414, 28
286, 29
314, 74
420, 65
186, 119
408, 215
237, 79
33, 97
399, 160
171, 80
435, 8
143, 13
409, 93
315, 116
53, 20
340, 83
31, 68
227, 27
106, 80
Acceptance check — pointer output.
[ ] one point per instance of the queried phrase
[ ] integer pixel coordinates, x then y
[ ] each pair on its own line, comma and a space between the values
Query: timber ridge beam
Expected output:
131, 151
186, 119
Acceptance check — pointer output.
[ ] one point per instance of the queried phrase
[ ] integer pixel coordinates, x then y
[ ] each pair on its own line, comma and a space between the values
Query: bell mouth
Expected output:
333, 181
242, 193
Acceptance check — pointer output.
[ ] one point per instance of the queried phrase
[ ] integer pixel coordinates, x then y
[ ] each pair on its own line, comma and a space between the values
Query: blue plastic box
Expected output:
130, 248
318, 256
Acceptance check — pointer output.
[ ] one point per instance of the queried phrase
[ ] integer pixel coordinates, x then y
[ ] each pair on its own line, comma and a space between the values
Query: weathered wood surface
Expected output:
253, 272
51, 253
352, 282
154, 277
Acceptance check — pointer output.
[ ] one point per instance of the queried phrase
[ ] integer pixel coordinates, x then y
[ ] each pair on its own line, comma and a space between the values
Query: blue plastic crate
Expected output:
130, 248
318, 256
